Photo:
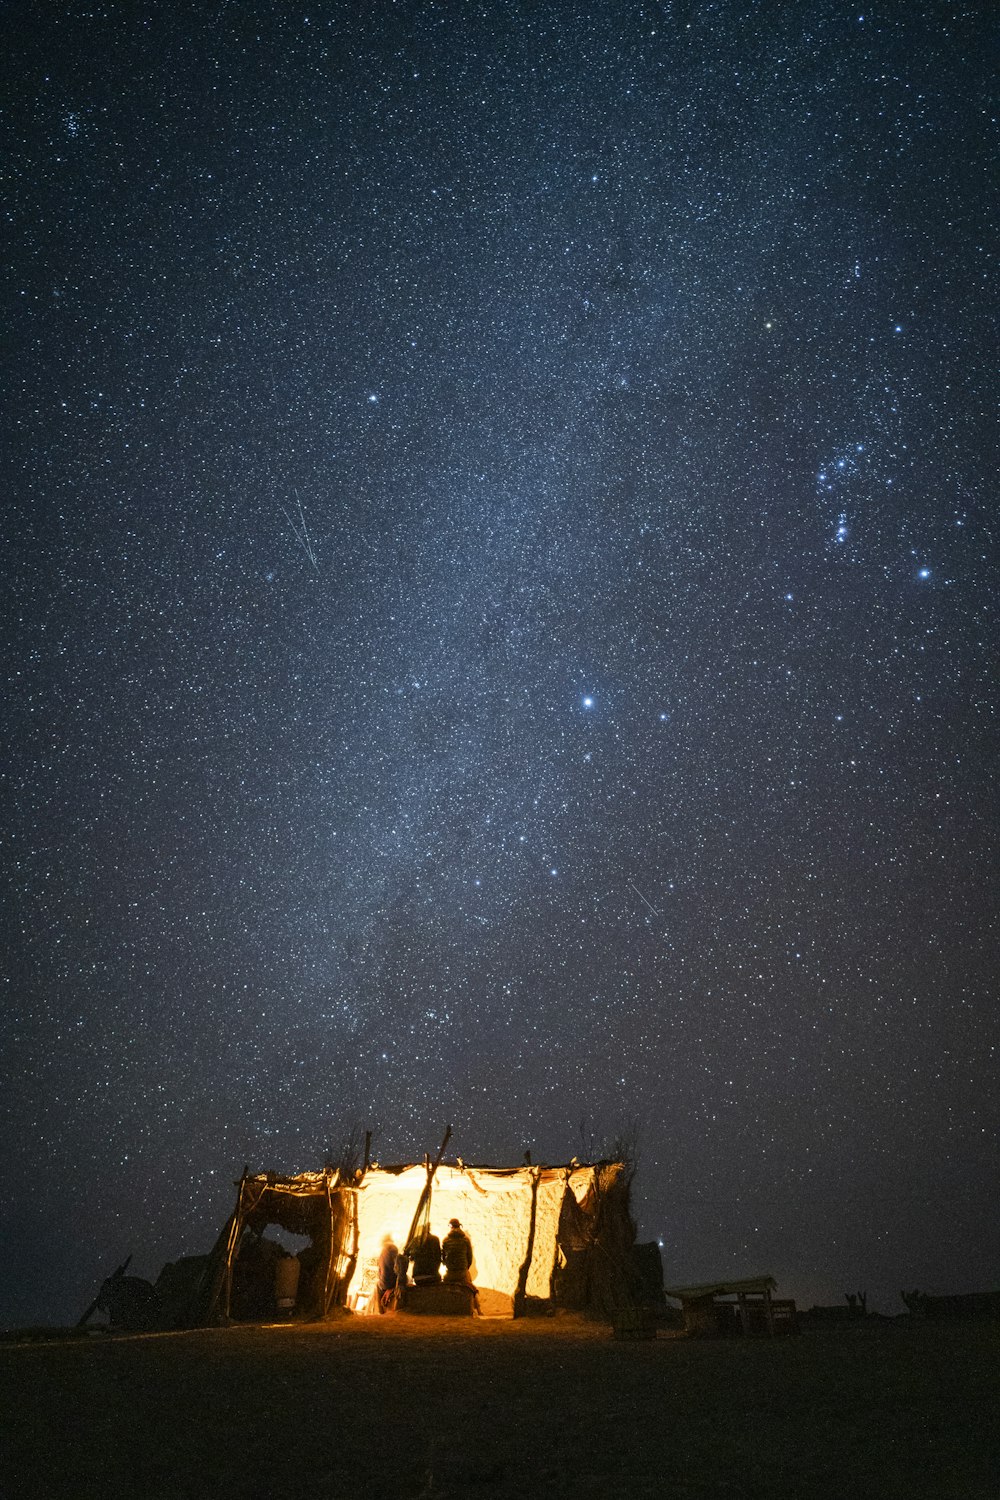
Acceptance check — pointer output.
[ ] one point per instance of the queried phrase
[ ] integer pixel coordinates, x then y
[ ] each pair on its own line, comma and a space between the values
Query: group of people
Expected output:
423, 1258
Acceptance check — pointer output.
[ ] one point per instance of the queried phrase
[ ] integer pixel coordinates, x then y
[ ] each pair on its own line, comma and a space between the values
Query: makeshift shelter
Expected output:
744, 1306
543, 1237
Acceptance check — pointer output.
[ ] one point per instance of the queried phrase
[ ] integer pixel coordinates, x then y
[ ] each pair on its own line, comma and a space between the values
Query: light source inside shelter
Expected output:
500, 1212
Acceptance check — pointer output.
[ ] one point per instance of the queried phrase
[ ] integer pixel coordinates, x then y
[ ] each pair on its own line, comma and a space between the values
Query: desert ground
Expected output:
423, 1409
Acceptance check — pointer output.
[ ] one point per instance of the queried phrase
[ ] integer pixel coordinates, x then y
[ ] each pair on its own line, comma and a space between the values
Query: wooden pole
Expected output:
116, 1275
234, 1235
421, 1201
331, 1282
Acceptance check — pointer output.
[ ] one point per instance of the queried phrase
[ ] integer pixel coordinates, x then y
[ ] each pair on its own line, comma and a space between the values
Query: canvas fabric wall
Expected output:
495, 1209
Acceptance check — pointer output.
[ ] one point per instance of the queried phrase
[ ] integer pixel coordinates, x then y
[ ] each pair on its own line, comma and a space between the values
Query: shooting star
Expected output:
300, 530
643, 899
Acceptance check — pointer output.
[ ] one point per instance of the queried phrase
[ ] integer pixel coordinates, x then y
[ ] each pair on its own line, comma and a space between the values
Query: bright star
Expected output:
588, 702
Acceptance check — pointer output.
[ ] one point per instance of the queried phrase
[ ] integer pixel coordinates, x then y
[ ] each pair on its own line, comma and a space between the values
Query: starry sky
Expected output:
500, 617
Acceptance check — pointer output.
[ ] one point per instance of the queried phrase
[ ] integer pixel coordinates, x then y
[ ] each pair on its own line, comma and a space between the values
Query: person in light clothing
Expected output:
388, 1272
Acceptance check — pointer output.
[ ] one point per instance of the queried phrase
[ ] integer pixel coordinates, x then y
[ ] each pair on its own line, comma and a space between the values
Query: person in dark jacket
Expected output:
388, 1271
425, 1258
456, 1252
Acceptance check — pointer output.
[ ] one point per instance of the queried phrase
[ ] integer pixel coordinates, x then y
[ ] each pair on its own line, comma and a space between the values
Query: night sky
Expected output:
501, 618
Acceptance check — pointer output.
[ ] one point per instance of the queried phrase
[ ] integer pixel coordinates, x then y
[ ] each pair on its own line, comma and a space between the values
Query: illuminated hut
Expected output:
543, 1237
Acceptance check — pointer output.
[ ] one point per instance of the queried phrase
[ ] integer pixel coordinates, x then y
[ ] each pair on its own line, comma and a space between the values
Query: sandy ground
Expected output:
424, 1409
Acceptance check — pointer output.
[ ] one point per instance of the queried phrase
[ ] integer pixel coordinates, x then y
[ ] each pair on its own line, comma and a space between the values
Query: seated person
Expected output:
425, 1257
388, 1272
456, 1252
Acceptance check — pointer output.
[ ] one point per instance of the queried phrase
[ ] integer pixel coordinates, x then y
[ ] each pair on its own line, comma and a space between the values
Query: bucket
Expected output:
286, 1283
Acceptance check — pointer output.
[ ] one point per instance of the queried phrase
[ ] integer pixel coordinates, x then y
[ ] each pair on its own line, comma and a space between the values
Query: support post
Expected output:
425, 1194
234, 1235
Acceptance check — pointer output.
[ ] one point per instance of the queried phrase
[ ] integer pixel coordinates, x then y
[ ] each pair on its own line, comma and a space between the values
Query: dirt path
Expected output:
422, 1409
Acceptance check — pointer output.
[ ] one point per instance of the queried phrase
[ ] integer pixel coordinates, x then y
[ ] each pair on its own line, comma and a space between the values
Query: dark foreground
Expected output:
422, 1410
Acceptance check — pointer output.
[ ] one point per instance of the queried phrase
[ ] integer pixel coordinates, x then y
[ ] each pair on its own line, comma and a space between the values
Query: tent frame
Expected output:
325, 1206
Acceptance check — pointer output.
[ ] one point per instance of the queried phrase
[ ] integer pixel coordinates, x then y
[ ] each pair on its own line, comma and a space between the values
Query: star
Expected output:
258, 812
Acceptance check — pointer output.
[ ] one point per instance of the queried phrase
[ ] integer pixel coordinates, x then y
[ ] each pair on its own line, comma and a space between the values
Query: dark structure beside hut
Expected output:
978, 1306
853, 1310
730, 1309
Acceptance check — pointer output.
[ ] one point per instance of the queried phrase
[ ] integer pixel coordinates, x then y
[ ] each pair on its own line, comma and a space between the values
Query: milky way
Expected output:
500, 577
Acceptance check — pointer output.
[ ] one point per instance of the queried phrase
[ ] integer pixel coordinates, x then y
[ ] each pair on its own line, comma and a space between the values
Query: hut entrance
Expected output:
273, 1274
279, 1254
